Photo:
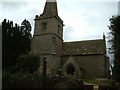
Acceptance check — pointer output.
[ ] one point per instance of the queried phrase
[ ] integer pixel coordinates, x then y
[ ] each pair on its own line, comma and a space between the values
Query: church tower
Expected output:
48, 36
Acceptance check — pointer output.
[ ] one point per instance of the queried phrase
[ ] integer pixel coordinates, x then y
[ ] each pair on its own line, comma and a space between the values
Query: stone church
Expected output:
82, 59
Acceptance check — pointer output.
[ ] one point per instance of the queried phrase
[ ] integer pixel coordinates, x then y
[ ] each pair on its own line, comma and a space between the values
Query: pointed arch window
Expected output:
70, 69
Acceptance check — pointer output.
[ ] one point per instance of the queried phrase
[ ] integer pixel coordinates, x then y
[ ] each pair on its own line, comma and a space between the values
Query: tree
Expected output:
26, 64
21, 80
26, 30
7, 50
16, 40
115, 41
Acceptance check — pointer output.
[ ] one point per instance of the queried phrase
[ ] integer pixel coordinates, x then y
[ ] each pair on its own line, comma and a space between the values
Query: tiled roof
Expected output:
84, 47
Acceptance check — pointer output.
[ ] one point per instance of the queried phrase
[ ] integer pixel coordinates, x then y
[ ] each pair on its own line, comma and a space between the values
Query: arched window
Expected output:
70, 69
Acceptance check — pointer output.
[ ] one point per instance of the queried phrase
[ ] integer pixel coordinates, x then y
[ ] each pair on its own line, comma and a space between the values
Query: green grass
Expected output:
97, 82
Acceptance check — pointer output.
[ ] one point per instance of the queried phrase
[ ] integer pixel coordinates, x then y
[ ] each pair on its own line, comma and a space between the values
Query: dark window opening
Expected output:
59, 28
44, 25
70, 70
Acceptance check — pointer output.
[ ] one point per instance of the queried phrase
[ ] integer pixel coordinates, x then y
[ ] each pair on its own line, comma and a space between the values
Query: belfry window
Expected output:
44, 26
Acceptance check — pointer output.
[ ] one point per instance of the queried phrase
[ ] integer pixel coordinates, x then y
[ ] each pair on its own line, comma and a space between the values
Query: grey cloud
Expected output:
11, 6
66, 33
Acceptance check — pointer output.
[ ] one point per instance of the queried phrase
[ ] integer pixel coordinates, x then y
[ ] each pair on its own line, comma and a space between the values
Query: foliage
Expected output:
63, 82
73, 83
26, 64
115, 41
24, 74
22, 80
28, 80
115, 33
26, 29
98, 81
16, 40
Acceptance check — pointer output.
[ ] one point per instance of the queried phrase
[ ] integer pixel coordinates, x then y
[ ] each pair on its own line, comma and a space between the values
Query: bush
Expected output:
63, 82
26, 64
23, 74
22, 80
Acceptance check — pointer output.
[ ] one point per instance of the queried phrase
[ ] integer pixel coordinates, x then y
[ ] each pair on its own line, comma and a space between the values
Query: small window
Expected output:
44, 26
59, 28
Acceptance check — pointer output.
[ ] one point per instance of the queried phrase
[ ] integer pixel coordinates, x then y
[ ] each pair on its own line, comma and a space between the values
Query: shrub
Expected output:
22, 80
26, 64
24, 74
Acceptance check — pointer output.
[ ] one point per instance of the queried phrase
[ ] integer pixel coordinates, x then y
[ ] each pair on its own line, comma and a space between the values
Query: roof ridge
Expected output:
85, 41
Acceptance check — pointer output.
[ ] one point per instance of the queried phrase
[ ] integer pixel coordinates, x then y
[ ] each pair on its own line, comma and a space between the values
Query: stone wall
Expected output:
93, 65
53, 63
47, 44
52, 26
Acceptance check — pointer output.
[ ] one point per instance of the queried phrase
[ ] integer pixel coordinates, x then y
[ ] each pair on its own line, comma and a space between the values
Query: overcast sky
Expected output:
84, 20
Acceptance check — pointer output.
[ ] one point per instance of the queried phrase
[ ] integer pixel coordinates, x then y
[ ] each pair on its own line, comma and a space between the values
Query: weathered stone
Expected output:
84, 58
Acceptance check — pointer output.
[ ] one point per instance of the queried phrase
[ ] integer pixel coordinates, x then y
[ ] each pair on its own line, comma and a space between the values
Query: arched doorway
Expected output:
70, 69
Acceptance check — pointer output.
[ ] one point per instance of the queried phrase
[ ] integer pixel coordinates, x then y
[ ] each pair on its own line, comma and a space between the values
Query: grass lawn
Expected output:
97, 81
